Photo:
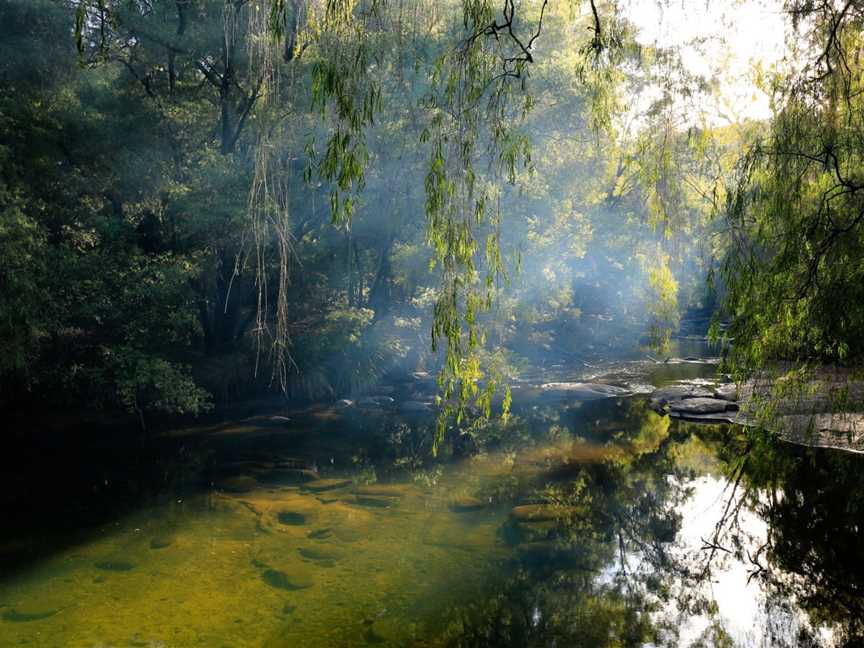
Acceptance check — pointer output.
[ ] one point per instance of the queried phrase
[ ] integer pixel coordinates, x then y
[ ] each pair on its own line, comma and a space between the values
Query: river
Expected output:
580, 523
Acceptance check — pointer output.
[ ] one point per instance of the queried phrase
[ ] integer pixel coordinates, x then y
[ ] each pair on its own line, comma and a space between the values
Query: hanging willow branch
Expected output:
478, 98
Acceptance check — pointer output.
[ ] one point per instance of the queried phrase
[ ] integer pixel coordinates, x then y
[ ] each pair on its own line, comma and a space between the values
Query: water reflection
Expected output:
592, 524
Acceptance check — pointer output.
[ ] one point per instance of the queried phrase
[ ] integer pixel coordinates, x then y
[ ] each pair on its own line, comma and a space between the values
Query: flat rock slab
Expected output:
583, 391
730, 417
842, 431
701, 405
727, 392
671, 393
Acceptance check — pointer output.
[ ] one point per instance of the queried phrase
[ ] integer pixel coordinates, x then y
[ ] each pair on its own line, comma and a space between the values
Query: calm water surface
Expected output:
579, 524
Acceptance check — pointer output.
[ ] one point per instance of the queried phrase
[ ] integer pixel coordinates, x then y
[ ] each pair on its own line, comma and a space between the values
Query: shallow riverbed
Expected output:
580, 523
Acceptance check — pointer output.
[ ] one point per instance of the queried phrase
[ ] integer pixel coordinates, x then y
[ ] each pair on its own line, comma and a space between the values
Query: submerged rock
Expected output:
319, 555
376, 501
385, 490
320, 534
18, 615
161, 542
240, 484
291, 518
281, 580
466, 504
376, 401
348, 535
290, 476
114, 565
321, 485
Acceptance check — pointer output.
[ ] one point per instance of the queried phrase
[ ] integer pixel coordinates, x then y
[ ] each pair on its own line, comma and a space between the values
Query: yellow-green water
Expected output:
377, 574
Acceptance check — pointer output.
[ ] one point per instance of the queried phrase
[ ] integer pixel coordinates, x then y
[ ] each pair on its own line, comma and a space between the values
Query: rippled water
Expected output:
579, 524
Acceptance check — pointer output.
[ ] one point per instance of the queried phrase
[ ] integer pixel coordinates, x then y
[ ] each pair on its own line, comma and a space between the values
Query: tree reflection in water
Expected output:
612, 554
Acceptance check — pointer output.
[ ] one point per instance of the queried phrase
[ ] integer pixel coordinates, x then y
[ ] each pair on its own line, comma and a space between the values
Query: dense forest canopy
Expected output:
202, 200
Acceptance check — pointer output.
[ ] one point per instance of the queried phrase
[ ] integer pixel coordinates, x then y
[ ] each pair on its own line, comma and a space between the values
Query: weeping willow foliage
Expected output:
269, 196
794, 275
478, 98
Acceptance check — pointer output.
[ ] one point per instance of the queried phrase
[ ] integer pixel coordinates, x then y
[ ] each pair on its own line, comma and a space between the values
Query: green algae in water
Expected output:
281, 580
